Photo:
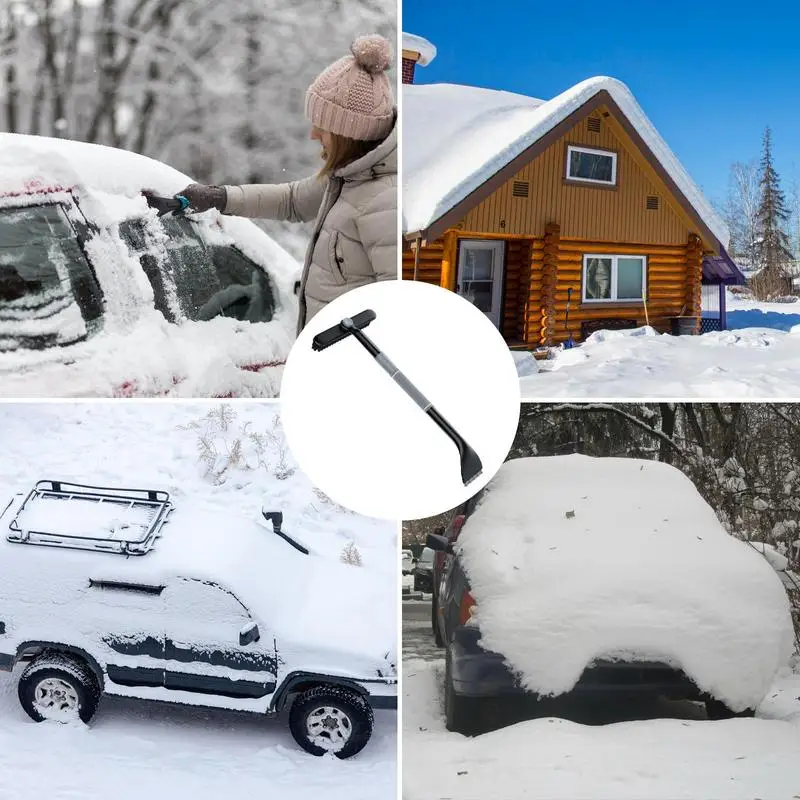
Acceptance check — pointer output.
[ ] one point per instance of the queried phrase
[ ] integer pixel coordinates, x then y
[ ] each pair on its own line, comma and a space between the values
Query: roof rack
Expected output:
71, 515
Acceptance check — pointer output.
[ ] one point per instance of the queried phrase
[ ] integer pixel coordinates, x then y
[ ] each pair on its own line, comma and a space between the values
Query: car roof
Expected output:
31, 164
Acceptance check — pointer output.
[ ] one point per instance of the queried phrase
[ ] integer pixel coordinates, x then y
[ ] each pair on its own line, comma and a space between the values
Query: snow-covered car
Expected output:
407, 562
119, 592
584, 575
100, 296
423, 571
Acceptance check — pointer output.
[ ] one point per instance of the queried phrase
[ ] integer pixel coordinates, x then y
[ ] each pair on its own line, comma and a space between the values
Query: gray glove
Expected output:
202, 198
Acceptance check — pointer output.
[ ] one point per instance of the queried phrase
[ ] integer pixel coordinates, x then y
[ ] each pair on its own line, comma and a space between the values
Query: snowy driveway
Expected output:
551, 759
731, 365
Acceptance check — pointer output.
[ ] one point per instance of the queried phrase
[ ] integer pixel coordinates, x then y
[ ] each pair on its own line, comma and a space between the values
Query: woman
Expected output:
354, 196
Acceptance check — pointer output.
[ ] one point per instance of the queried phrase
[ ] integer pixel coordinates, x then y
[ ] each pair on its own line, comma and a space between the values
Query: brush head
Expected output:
342, 330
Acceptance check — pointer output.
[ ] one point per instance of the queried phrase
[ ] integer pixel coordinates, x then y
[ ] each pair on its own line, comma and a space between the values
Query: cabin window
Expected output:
592, 166
609, 279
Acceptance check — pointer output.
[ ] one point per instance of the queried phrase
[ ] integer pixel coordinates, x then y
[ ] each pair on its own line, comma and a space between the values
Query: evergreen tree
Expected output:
773, 250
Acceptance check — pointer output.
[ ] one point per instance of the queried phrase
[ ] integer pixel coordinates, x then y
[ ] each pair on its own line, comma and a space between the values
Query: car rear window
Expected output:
208, 279
48, 293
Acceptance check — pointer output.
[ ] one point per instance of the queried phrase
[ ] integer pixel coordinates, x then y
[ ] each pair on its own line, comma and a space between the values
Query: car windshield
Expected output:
48, 294
203, 279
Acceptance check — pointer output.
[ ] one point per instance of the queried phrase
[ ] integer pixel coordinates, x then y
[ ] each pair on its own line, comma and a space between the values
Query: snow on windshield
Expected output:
573, 559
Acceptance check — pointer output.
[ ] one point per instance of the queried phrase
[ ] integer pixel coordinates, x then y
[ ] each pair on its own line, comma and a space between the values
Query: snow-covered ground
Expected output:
133, 749
758, 357
747, 313
555, 759
729, 365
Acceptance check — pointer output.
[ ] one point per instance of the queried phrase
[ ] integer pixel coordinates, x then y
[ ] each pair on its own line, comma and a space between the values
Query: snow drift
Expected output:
573, 558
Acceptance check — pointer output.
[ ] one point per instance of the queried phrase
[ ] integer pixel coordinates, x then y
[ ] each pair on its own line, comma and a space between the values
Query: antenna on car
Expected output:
276, 518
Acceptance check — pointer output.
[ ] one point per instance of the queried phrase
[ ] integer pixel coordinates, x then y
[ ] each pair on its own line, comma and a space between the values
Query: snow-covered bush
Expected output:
350, 555
225, 447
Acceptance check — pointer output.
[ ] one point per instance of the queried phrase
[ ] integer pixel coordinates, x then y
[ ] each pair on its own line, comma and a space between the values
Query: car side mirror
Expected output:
249, 634
438, 543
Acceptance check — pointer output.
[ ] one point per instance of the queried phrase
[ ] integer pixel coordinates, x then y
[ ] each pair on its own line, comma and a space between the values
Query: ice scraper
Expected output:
165, 205
471, 466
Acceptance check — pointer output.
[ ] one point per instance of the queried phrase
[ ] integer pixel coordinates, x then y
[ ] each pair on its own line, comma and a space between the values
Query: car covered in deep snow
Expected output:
580, 576
101, 296
119, 592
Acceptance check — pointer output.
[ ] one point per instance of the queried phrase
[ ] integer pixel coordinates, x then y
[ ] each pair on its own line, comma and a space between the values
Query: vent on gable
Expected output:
594, 124
520, 189
653, 203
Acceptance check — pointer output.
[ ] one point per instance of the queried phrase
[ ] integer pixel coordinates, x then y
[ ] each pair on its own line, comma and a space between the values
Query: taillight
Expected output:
455, 528
466, 609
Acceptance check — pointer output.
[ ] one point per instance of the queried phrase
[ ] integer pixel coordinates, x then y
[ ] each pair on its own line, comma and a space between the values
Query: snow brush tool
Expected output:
471, 466
165, 205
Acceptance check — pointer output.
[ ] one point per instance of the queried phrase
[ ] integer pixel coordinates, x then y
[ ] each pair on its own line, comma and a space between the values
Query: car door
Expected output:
127, 619
206, 651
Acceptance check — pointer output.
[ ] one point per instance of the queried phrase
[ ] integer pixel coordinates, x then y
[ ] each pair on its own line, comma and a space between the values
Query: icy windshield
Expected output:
206, 279
48, 293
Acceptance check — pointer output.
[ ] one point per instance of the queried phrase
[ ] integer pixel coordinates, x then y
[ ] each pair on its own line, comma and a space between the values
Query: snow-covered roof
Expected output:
573, 558
457, 137
417, 44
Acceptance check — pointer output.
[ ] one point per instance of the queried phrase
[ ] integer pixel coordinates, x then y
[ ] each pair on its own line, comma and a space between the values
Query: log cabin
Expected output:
556, 218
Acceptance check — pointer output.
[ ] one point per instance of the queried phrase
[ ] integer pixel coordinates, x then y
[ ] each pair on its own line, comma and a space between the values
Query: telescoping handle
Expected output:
403, 382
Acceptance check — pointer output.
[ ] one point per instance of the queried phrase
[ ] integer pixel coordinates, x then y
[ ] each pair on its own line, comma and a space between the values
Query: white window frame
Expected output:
573, 148
613, 298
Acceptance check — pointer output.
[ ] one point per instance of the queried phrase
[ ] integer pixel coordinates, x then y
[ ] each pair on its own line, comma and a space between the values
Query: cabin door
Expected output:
480, 275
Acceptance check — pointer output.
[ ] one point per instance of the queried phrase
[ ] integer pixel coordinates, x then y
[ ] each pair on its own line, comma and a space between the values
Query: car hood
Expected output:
573, 559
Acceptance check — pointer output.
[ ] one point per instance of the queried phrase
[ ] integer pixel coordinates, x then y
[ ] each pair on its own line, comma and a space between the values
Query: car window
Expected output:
48, 292
205, 606
135, 235
213, 279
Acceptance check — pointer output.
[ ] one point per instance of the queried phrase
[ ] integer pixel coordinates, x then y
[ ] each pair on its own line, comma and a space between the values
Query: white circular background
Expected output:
361, 439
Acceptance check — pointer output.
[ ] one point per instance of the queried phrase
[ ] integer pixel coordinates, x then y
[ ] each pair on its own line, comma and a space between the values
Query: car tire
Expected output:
461, 714
349, 714
717, 710
58, 686
437, 636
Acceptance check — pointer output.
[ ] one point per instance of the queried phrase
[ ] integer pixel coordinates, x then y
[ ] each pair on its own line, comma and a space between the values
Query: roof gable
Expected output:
460, 143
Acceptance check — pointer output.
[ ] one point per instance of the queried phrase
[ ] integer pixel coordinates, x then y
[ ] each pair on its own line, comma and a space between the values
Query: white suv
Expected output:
115, 591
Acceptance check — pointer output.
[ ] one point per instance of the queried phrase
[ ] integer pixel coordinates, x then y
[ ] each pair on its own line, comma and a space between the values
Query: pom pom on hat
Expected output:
373, 53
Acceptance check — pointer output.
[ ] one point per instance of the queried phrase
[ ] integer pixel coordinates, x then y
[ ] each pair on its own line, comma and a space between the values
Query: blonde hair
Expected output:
344, 151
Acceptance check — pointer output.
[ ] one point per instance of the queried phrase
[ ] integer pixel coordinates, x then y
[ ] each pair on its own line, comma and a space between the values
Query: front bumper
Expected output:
476, 672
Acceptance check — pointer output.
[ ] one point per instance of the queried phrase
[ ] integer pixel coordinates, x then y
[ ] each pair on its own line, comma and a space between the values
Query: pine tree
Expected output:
773, 250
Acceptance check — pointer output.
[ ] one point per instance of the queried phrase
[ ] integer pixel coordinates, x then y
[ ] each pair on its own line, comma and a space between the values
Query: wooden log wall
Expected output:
430, 263
548, 302
667, 283
694, 277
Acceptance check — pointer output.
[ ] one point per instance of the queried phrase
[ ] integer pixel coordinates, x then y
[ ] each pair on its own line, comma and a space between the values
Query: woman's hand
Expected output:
202, 198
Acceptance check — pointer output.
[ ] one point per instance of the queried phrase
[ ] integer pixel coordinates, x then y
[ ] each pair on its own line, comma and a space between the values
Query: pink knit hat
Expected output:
353, 97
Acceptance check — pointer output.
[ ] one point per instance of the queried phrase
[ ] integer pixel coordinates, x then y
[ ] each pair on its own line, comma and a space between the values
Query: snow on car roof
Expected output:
31, 162
418, 44
456, 137
574, 558
296, 596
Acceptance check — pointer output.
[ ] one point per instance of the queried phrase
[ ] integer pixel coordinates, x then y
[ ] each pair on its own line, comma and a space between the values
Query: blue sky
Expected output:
703, 71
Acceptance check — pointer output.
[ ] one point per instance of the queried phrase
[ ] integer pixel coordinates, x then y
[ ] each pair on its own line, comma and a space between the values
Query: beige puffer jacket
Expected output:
355, 235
